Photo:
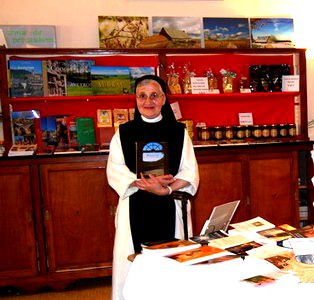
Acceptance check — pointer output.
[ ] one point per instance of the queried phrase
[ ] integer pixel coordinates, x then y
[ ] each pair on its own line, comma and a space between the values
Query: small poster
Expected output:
29, 36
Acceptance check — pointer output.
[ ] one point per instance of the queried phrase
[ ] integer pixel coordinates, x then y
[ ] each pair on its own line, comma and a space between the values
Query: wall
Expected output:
77, 24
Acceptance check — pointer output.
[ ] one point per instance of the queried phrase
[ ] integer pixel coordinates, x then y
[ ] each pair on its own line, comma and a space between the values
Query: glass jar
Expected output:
257, 131
204, 134
218, 133
229, 132
283, 130
240, 134
247, 131
265, 131
274, 130
292, 131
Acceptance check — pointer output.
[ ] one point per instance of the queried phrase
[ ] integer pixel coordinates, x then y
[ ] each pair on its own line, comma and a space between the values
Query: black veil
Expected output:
166, 110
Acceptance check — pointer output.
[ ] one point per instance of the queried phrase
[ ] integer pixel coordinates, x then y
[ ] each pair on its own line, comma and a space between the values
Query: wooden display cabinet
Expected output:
57, 224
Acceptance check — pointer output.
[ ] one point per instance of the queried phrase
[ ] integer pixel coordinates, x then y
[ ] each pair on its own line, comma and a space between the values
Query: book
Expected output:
48, 126
110, 80
85, 131
25, 124
243, 249
137, 72
72, 132
78, 77
22, 150
26, 78
197, 255
151, 158
252, 225
104, 118
55, 78
276, 234
168, 248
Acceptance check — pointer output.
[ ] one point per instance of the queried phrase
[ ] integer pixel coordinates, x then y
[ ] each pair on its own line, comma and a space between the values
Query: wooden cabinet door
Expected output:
273, 187
78, 216
221, 181
17, 235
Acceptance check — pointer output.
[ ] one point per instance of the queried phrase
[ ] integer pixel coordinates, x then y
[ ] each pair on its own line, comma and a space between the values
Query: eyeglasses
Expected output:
153, 96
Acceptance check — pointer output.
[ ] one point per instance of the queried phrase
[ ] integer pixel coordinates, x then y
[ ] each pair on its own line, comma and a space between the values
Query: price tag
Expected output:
199, 85
245, 118
290, 83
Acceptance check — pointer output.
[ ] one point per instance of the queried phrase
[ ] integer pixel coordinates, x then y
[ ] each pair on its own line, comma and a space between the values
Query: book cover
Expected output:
110, 80
136, 72
197, 255
252, 225
275, 234
85, 131
152, 158
48, 126
62, 133
104, 118
243, 248
26, 78
72, 132
55, 78
168, 248
24, 126
78, 74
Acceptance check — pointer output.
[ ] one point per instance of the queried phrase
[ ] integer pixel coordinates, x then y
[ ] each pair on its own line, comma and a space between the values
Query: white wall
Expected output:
77, 24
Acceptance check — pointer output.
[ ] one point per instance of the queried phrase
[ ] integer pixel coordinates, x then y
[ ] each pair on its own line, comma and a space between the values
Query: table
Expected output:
157, 278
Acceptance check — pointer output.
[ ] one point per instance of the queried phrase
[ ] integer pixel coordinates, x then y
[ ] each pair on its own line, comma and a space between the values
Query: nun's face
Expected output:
150, 99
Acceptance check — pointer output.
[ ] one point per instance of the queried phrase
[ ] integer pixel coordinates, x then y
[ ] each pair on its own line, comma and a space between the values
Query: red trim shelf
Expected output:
132, 97
72, 98
237, 95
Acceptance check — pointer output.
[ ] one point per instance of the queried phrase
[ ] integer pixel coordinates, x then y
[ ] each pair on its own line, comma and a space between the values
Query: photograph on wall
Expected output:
272, 32
180, 32
26, 78
121, 32
226, 33
108, 80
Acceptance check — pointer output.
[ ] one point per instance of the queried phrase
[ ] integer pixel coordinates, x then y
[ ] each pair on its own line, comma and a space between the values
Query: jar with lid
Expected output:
204, 134
283, 130
265, 131
199, 127
240, 134
292, 131
247, 131
257, 131
274, 130
218, 133
229, 132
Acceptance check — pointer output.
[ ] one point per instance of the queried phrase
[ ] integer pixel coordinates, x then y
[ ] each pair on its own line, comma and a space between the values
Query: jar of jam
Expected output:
274, 131
204, 134
283, 130
257, 131
229, 132
292, 131
240, 134
199, 127
265, 131
218, 133
247, 131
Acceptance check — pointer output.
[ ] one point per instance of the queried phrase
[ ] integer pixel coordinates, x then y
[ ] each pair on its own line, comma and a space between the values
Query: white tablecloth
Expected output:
158, 278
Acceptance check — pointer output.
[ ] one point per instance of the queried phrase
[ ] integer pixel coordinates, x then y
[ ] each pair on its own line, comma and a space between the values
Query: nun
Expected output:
147, 210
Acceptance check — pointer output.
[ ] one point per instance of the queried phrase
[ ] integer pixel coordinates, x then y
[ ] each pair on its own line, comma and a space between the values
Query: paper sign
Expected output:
199, 85
245, 118
176, 110
290, 83
29, 36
